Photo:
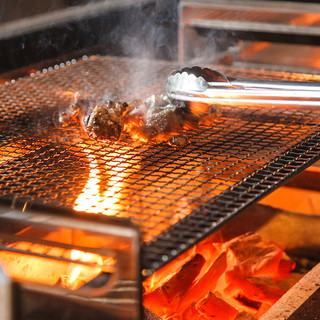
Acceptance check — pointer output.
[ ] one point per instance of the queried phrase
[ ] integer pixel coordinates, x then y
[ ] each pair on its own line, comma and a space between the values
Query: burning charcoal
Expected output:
285, 268
215, 308
183, 279
245, 274
250, 256
149, 315
206, 283
166, 270
174, 316
192, 313
209, 252
252, 291
255, 305
279, 285
174, 287
245, 316
265, 306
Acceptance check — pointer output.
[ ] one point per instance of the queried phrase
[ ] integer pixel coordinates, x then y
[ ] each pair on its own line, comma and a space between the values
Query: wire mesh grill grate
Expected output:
176, 196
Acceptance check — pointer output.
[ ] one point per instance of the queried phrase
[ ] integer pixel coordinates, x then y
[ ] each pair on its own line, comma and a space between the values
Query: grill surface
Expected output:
176, 196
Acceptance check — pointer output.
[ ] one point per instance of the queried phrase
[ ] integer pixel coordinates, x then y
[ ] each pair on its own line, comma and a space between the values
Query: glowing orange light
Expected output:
78, 274
69, 94
306, 19
51, 271
105, 185
90, 197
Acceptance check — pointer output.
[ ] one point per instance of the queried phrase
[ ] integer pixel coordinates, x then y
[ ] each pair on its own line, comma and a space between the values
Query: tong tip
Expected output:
184, 82
194, 79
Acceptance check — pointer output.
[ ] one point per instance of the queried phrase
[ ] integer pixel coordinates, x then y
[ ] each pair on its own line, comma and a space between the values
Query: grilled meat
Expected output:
157, 120
106, 121
153, 120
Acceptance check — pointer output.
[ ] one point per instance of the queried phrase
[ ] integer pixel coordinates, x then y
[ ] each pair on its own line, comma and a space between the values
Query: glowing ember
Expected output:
74, 270
220, 281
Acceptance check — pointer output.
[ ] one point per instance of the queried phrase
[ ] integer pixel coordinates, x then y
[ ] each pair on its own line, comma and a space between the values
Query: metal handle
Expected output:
273, 84
202, 85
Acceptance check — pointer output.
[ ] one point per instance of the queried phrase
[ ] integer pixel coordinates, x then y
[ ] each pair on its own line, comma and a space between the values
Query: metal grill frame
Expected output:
214, 211
106, 298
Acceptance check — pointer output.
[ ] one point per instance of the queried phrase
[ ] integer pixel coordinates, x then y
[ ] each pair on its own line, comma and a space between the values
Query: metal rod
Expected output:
263, 93
50, 257
271, 84
242, 101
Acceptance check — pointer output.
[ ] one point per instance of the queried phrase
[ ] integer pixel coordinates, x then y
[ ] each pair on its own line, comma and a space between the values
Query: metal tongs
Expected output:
212, 87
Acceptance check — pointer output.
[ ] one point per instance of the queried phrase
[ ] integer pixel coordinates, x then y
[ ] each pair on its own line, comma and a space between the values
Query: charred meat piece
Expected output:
158, 120
106, 121
69, 116
153, 120
101, 120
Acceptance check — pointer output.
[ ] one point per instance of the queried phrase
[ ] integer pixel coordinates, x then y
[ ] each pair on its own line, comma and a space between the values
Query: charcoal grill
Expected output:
176, 196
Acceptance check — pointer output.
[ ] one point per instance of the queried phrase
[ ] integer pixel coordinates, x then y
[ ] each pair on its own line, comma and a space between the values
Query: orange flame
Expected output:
90, 197
78, 274
106, 201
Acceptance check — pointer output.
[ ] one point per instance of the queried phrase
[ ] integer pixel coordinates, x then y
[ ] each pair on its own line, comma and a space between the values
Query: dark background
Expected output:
136, 28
